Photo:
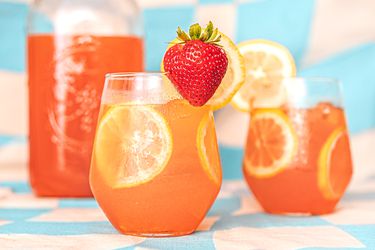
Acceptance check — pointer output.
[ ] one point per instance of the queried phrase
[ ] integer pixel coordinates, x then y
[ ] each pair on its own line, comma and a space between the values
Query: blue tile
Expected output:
363, 233
197, 240
225, 206
260, 220
160, 28
127, 248
285, 21
18, 214
58, 228
41, 23
16, 186
231, 161
6, 139
78, 203
12, 36
203, 2
355, 196
355, 68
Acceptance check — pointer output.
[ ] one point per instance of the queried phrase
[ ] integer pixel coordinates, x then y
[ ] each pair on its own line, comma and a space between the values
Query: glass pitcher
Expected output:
72, 44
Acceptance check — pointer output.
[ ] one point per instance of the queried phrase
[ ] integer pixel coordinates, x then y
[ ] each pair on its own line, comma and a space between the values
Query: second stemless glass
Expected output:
155, 167
297, 157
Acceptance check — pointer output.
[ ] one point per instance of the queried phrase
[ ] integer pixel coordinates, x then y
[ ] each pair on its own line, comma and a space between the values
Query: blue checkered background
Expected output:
332, 38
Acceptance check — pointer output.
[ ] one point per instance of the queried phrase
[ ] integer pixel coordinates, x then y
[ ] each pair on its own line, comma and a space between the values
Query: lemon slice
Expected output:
334, 165
267, 64
132, 146
271, 143
207, 148
233, 78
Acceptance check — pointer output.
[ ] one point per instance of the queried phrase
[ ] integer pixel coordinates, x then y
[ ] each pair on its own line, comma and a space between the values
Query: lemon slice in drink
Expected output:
271, 143
334, 165
132, 146
208, 153
233, 78
267, 64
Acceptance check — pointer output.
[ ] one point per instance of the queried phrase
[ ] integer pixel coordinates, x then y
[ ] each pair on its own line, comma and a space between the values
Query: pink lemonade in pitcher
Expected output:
66, 75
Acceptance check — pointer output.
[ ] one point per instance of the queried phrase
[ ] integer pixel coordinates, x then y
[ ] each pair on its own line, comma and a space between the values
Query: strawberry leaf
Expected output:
204, 36
182, 35
213, 35
195, 31
209, 29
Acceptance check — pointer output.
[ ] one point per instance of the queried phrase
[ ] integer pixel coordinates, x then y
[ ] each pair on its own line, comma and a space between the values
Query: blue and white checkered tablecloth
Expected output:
234, 222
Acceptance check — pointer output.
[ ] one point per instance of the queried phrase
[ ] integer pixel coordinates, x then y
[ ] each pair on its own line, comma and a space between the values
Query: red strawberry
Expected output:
196, 65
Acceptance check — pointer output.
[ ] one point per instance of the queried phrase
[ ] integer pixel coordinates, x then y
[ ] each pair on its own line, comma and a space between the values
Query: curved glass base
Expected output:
157, 234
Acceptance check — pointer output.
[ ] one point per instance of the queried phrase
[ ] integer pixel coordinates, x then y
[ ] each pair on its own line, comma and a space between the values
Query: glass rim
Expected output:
317, 79
143, 87
126, 75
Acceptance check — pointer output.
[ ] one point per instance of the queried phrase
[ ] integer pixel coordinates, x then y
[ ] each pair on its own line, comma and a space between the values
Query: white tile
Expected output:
165, 3
27, 201
13, 153
364, 186
13, 171
284, 238
248, 206
338, 25
4, 222
222, 15
13, 95
233, 189
234, 185
231, 126
351, 217
73, 242
72, 215
362, 146
353, 213
4, 193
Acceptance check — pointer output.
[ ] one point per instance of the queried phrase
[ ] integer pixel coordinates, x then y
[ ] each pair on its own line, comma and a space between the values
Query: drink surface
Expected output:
319, 167
155, 168
66, 77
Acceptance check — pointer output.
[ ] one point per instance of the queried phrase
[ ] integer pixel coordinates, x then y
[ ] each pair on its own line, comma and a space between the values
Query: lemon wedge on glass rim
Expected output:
234, 77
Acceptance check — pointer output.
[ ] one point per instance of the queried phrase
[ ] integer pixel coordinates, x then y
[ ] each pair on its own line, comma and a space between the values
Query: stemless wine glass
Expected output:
297, 157
155, 167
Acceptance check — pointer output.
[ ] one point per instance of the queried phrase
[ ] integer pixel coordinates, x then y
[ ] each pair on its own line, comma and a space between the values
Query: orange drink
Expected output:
297, 157
65, 83
155, 167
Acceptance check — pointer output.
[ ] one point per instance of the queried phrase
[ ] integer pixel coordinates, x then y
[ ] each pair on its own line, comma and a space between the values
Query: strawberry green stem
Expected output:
207, 35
